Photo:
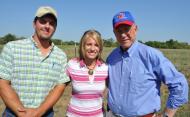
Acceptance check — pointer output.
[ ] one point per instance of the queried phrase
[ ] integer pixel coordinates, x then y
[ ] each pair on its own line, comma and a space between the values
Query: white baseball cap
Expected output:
44, 10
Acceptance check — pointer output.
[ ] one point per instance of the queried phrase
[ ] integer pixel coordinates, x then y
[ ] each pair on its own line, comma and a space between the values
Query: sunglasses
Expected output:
44, 21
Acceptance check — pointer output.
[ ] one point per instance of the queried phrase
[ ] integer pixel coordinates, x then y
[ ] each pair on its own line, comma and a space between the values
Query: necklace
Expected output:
91, 69
90, 72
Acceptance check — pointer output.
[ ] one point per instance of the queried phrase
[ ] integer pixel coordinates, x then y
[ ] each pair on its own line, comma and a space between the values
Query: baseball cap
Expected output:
44, 10
123, 17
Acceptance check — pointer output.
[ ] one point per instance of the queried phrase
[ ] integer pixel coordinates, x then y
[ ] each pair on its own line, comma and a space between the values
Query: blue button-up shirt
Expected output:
135, 78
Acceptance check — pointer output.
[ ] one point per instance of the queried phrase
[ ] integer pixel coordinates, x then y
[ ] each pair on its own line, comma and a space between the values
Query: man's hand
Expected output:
28, 112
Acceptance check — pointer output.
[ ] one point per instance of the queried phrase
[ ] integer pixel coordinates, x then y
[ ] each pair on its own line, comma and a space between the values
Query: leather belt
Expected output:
149, 115
118, 115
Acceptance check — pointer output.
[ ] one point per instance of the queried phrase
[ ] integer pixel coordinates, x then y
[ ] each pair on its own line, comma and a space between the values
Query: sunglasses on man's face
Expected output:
44, 21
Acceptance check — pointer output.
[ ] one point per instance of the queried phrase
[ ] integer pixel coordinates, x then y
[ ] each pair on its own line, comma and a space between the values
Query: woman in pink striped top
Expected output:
88, 74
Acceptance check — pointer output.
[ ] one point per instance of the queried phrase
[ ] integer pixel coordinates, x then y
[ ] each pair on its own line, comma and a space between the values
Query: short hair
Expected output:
94, 35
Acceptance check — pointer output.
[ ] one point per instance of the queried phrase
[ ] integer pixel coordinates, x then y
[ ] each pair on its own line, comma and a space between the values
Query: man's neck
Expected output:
43, 44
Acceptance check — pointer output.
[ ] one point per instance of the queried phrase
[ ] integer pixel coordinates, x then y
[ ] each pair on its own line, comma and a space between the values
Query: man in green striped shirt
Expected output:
32, 71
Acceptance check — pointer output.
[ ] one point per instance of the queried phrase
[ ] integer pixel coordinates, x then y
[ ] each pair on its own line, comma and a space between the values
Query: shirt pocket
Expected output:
141, 82
56, 66
54, 71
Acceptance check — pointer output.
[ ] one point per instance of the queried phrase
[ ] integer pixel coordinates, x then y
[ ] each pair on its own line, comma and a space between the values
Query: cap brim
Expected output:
48, 13
124, 22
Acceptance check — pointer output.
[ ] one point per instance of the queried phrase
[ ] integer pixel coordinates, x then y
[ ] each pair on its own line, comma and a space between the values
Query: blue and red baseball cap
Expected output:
123, 17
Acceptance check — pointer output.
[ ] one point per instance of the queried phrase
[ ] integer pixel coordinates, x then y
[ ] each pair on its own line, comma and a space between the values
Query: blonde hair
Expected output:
94, 35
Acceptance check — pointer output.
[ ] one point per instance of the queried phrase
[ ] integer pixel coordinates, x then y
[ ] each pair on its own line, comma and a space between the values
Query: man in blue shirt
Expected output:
136, 72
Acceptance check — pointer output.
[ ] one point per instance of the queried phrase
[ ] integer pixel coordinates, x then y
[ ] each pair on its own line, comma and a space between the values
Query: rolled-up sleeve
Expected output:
178, 93
63, 75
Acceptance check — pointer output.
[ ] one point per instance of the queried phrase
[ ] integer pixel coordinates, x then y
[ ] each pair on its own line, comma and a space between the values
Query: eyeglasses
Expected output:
123, 29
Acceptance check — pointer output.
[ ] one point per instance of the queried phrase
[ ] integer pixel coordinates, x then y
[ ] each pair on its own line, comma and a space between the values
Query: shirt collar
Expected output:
82, 63
36, 44
131, 50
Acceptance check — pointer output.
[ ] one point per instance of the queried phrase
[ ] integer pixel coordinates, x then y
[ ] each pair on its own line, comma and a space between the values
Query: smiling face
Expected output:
45, 27
91, 46
125, 35
91, 49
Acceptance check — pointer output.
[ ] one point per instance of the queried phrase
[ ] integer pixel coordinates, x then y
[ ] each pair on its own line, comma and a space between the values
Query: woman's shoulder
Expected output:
102, 65
76, 59
73, 61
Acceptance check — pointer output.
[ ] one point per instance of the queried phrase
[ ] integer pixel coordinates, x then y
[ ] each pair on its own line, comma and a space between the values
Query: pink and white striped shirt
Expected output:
87, 91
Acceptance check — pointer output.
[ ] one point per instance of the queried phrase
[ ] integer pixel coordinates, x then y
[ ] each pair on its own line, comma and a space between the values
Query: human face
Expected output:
45, 27
125, 35
91, 49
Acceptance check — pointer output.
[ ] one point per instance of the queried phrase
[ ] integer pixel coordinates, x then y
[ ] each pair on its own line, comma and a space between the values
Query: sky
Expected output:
157, 20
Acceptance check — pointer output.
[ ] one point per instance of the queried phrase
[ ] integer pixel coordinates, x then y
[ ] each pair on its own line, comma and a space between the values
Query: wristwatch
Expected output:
165, 114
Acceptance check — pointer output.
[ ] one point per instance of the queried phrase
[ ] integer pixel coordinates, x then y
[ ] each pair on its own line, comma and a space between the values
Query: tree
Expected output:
108, 42
7, 38
57, 41
172, 44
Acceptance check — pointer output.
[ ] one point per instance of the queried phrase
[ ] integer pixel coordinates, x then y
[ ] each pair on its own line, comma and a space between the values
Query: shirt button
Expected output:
119, 107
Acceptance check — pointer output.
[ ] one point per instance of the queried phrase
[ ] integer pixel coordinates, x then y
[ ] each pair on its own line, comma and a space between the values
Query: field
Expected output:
180, 58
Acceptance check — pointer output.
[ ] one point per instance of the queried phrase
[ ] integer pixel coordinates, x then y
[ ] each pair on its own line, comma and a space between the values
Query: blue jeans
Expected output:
10, 113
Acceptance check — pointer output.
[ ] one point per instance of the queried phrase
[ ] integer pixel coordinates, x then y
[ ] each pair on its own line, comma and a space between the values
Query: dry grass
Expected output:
180, 57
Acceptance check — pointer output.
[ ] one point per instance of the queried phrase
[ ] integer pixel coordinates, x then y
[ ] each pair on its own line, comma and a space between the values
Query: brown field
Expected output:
180, 57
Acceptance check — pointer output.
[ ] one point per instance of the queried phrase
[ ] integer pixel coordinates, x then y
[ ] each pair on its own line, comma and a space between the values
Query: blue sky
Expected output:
157, 20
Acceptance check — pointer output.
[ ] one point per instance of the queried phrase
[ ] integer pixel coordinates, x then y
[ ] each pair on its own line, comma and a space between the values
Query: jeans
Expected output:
9, 113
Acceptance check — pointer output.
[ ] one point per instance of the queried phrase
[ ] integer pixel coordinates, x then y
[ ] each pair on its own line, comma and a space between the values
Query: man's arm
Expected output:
9, 96
170, 112
175, 81
51, 99
167, 113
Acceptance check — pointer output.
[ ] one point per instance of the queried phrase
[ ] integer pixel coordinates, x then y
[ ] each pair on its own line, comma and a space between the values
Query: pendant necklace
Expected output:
91, 70
91, 74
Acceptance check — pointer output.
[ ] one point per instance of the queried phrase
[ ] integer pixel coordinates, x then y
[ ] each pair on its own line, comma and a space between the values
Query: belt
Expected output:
118, 115
149, 115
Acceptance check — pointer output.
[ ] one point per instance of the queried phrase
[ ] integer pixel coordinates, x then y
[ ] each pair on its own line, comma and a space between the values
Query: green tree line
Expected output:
170, 44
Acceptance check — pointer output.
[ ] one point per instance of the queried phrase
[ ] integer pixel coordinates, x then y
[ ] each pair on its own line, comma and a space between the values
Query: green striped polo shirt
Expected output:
31, 74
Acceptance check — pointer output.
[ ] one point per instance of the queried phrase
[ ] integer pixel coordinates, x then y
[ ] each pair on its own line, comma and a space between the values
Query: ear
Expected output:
114, 30
136, 27
34, 25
